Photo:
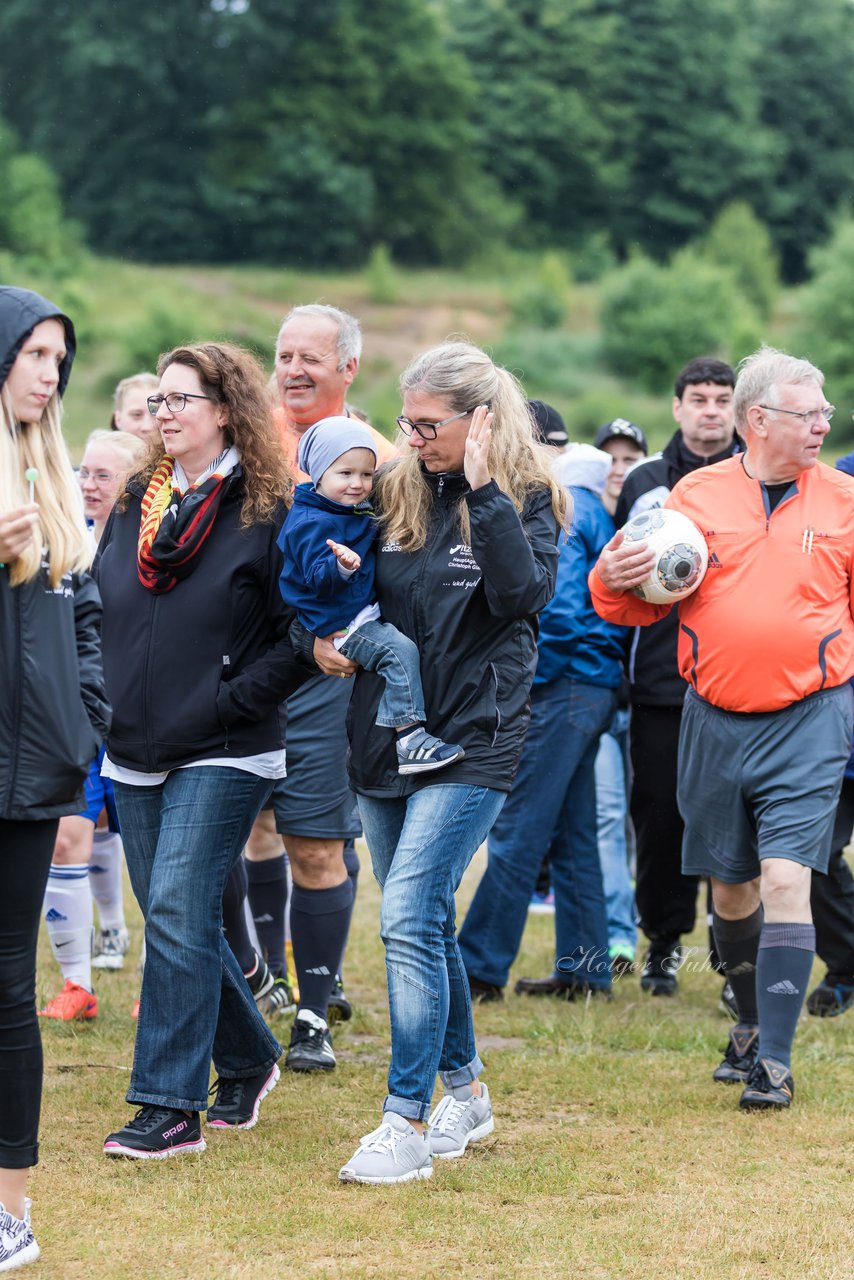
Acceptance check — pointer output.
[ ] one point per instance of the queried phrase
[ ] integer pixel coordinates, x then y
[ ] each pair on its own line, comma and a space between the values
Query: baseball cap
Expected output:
620, 429
549, 426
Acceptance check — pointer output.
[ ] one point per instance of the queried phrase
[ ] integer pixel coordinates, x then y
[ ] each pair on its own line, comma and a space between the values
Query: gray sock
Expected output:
786, 953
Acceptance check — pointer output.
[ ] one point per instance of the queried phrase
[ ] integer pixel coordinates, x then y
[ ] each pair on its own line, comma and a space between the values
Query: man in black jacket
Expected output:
666, 900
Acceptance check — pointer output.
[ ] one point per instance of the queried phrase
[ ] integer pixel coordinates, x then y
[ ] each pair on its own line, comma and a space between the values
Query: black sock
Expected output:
268, 900
737, 944
786, 953
320, 919
351, 862
234, 917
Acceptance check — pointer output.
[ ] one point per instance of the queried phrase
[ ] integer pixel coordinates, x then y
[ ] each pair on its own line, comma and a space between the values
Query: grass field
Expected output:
614, 1155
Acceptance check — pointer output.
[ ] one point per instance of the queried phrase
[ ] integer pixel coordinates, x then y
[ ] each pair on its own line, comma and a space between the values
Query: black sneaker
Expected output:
484, 992
422, 753
740, 1056
661, 962
311, 1044
829, 998
339, 1008
155, 1133
260, 980
237, 1101
769, 1088
279, 999
562, 988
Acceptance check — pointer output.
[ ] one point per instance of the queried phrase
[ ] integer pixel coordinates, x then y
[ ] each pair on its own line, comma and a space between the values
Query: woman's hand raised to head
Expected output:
477, 448
16, 531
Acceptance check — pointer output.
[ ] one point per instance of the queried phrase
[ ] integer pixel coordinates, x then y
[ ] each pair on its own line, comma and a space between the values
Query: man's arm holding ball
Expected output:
622, 566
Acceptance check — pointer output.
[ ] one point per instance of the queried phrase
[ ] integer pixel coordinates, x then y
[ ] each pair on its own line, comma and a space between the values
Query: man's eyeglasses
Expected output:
98, 477
812, 417
427, 430
175, 401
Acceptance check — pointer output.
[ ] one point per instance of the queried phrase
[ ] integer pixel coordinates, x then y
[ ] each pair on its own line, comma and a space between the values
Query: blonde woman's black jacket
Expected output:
472, 612
198, 671
53, 708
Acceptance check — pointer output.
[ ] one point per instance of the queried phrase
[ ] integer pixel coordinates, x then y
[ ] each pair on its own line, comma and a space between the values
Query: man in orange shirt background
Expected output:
313, 810
766, 644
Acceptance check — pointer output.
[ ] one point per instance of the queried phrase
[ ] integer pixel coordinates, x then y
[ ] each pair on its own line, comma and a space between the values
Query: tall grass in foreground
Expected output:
614, 1156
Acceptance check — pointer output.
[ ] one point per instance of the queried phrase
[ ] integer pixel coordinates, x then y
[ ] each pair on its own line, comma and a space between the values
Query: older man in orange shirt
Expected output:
766, 644
317, 358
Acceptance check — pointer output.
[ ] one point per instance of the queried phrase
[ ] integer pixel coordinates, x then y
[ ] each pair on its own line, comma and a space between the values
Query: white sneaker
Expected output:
110, 949
17, 1242
395, 1152
458, 1121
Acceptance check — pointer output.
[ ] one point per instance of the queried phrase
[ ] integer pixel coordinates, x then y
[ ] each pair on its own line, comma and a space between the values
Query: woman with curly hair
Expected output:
467, 556
197, 659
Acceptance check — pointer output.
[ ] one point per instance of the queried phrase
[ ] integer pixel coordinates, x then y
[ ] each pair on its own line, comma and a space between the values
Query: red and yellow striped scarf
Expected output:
174, 526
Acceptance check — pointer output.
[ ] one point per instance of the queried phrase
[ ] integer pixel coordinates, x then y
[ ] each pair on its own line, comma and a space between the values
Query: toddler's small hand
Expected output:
346, 558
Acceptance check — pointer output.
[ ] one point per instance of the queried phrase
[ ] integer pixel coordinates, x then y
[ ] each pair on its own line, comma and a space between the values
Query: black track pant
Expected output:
26, 849
666, 900
832, 897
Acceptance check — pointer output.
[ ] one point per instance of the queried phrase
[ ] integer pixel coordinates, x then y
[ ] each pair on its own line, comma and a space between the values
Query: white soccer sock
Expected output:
105, 878
68, 916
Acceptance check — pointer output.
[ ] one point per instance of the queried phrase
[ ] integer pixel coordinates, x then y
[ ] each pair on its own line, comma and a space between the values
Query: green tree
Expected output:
739, 242
804, 73
687, 132
288, 130
542, 108
826, 321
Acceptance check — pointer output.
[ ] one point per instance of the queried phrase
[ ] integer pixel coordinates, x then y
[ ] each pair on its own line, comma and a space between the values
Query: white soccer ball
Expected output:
680, 549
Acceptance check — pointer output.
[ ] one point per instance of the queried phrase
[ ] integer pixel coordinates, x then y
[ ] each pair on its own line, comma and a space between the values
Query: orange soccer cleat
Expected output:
73, 1002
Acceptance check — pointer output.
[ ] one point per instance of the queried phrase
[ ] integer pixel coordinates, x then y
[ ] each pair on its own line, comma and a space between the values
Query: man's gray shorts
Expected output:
315, 799
761, 785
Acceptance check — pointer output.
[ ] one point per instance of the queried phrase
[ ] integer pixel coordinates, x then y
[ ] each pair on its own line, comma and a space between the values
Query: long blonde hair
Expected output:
61, 526
463, 376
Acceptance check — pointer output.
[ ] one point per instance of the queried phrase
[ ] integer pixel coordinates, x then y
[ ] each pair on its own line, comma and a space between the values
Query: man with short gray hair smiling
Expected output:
766, 644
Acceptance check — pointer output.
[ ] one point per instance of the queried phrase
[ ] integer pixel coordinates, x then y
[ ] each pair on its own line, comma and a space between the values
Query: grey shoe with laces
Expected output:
457, 1121
395, 1152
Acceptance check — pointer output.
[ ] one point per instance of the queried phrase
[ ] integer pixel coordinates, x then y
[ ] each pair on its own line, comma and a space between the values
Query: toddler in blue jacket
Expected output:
328, 577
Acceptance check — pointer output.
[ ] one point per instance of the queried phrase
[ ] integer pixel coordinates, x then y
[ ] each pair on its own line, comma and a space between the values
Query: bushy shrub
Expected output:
35, 236
655, 318
542, 303
380, 277
739, 242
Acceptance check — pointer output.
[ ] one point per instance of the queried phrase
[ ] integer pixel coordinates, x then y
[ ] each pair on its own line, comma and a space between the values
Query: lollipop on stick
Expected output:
31, 475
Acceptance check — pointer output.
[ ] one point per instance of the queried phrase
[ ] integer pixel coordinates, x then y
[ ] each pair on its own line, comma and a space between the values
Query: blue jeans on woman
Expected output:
181, 839
552, 807
611, 812
420, 848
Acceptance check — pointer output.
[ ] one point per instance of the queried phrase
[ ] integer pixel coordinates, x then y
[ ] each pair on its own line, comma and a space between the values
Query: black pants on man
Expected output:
666, 900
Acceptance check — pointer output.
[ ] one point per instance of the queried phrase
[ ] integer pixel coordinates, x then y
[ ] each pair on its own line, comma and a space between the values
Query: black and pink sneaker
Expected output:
155, 1133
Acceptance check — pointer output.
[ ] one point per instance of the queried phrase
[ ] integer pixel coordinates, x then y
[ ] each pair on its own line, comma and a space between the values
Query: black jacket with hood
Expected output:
472, 612
197, 672
53, 709
654, 678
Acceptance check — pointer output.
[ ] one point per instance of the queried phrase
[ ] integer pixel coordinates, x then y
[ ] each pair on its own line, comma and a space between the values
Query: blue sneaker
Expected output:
419, 752
829, 999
